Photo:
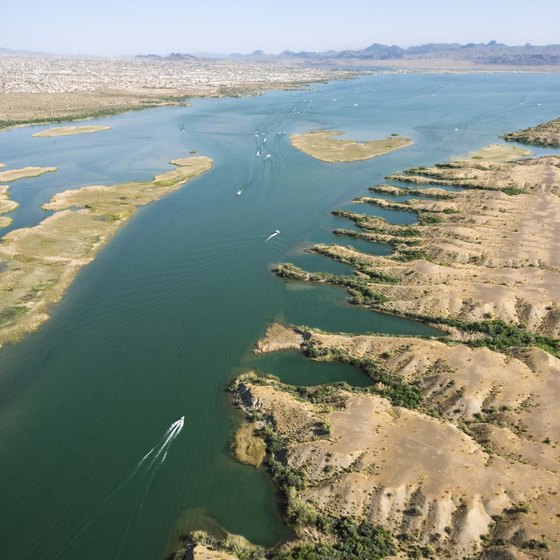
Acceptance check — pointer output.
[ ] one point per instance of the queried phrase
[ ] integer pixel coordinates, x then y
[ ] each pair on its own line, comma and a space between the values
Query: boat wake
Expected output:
148, 465
162, 448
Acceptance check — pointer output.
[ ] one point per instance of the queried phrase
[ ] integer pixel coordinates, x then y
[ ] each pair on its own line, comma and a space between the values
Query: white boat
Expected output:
268, 156
238, 193
258, 153
274, 234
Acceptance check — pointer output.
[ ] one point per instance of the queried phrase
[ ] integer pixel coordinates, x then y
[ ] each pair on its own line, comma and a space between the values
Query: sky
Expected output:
121, 27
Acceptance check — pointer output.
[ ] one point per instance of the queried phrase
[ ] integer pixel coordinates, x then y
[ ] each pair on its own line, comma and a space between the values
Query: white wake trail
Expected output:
172, 432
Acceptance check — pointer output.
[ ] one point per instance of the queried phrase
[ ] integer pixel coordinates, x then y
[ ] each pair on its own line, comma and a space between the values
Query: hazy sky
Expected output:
221, 26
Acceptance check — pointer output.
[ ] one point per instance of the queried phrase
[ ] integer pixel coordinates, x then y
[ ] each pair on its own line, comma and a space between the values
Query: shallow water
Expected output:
155, 328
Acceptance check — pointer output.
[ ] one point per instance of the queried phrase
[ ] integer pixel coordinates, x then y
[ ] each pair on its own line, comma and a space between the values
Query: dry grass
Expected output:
248, 447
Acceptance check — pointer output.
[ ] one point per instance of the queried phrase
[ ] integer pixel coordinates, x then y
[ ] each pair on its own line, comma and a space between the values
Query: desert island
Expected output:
321, 145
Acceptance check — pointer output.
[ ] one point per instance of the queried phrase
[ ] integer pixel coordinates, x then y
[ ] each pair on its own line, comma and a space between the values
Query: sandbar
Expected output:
321, 145
39, 263
69, 131
24, 173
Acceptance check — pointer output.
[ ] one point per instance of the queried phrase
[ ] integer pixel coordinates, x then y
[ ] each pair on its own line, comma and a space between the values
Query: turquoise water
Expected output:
155, 328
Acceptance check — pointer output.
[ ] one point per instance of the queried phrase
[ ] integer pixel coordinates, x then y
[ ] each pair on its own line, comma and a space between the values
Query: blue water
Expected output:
158, 324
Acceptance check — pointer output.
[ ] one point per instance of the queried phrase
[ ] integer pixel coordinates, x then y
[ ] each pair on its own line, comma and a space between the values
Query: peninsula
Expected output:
453, 449
39, 263
321, 145
545, 134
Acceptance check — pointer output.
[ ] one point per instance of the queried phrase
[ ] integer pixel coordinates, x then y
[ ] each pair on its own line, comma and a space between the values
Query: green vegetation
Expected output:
353, 541
411, 255
512, 191
391, 238
8, 314
427, 219
393, 388
372, 224
417, 192
360, 290
360, 264
499, 335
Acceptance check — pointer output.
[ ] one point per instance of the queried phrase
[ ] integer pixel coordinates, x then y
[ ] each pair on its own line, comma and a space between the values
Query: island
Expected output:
24, 173
69, 130
545, 134
453, 449
38, 264
321, 145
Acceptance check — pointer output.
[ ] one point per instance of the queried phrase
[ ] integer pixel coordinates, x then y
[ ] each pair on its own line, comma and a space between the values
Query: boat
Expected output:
238, 193
268, 156
273, 234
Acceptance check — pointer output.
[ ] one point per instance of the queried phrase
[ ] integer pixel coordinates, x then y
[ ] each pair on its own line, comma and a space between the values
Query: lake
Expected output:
155, 328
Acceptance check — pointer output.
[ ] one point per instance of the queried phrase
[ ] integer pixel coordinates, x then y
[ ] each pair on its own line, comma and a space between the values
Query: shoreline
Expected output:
72, 106
456, 404
40, 263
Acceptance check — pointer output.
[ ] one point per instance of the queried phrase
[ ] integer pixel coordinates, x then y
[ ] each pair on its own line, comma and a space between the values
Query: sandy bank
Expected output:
321, 145
24, 173
41, 262
69, 131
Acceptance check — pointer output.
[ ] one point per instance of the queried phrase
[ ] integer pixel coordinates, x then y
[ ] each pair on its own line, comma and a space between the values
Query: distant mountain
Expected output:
15, 52
171, 56
491, 53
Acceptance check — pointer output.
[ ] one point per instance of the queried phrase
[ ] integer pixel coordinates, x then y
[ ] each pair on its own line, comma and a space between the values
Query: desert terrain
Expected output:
453, 449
